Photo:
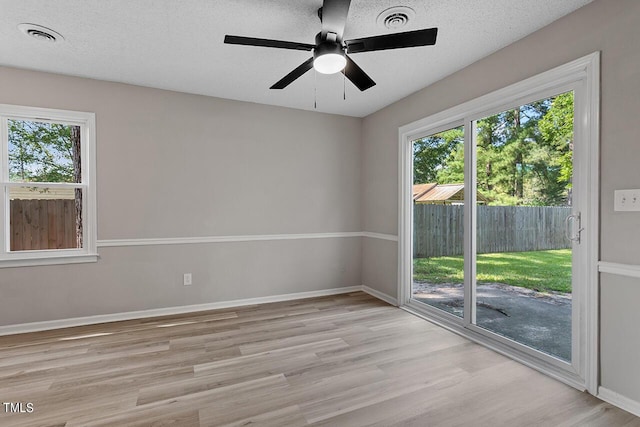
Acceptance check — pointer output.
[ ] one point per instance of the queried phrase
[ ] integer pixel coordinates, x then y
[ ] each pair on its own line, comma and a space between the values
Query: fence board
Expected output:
60, 226
438, 229
42, 224
67, 238
16, 228
28, 225
43, 232
53, 224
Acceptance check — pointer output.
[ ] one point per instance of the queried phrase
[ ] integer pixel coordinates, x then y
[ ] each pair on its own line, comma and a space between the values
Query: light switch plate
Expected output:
187, 279
626, 200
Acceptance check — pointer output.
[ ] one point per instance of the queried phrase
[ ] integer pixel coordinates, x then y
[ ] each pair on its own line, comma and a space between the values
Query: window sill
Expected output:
48, 260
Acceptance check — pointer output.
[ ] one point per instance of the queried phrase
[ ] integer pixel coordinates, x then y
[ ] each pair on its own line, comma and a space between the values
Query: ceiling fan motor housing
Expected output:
327, 48
329, 57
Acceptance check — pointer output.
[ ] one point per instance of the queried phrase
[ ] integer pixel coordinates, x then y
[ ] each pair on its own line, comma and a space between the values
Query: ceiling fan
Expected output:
330, 50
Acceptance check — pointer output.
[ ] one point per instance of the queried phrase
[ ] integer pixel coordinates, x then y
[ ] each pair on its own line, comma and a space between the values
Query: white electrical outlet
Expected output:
186, 281
626, 200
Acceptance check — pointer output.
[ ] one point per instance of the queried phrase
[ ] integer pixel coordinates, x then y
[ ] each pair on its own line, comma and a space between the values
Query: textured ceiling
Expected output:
178, 45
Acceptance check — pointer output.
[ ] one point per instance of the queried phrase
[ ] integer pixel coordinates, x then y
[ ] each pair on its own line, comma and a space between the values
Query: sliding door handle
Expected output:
572, 227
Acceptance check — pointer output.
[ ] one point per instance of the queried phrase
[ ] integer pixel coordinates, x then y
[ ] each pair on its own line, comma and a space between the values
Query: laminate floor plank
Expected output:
346, 360
218, 399
291, 395
295, 341
226, 374
288, 416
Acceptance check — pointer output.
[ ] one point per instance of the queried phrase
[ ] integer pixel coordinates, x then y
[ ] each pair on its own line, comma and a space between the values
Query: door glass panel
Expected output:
523, 277
438, 197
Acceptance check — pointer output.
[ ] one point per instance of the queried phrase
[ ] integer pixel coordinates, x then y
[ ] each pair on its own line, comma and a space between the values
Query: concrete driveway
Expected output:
536, 319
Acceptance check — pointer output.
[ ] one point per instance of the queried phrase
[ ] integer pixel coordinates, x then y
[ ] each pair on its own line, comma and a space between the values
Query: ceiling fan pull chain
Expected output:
344, 86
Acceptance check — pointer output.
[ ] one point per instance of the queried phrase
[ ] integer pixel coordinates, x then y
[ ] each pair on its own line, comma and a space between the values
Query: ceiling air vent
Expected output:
395, 18
40, 33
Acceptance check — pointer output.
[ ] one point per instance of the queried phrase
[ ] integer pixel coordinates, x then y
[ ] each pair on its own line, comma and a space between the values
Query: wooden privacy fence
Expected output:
43, 224
438, 229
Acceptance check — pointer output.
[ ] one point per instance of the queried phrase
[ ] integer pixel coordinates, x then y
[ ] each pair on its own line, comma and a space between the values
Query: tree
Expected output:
556, 129
77, 177
452, 171
40, 152
430, 153
523, 155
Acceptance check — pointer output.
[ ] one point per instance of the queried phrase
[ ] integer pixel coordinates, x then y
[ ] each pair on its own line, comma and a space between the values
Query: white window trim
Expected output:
583, 73
87, 123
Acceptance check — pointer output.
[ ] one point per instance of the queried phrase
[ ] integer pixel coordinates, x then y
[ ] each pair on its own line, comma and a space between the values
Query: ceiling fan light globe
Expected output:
329, 63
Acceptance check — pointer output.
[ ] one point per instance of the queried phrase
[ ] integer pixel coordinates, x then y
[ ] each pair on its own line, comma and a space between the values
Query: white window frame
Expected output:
583, 77
87, 124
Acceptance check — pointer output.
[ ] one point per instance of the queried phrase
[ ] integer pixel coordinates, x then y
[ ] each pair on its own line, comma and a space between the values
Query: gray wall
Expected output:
179, 165
620, 337
611, 27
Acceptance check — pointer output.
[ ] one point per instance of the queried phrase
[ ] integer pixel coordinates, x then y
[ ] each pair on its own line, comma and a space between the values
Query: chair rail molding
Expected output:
628, 270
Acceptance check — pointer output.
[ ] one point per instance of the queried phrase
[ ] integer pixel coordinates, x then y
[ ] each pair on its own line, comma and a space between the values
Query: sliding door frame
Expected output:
582, 77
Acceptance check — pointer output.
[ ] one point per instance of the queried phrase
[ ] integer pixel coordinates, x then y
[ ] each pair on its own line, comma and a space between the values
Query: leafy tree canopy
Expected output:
40, 152
430, 154
524, 155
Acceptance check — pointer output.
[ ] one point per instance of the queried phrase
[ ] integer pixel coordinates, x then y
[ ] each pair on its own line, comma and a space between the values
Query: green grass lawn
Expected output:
538, 270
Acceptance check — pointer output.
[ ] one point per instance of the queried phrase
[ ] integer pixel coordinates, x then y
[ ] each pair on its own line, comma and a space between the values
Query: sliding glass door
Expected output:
438, 225
524, 215
521, 202
492, 227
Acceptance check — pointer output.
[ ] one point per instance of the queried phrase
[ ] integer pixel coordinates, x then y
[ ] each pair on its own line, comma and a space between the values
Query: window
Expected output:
47, 174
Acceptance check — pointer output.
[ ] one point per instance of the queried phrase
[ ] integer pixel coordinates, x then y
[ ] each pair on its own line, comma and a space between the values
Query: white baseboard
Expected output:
168, 311
619, 400
155, 312
380, 295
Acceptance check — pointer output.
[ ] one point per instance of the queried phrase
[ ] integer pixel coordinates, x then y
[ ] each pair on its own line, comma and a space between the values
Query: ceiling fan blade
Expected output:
357, 76
393, 41
334, 17
298, 72
251, 41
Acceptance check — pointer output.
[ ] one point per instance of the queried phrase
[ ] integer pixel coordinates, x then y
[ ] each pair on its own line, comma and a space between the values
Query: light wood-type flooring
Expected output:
346, 360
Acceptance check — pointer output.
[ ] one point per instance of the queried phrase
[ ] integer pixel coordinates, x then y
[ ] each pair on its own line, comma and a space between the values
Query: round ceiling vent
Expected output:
395, 17
41, 33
